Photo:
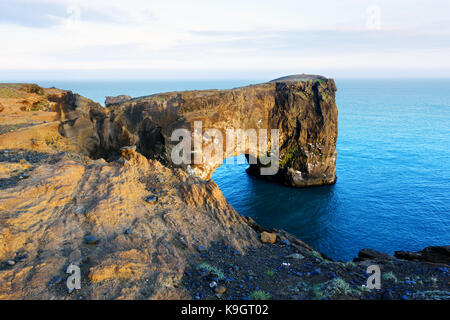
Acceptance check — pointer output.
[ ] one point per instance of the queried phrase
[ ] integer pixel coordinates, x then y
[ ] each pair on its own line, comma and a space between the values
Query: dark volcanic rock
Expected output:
264, 271
82, 121
115, 100
434, 254
302, 107
91, 240
370, 254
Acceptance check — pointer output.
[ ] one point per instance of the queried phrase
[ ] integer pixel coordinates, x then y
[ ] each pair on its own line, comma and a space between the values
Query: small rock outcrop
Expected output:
371, 254
434, 254
269, 238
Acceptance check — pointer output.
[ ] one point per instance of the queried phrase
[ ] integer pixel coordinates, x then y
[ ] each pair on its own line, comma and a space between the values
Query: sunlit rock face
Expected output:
301, 107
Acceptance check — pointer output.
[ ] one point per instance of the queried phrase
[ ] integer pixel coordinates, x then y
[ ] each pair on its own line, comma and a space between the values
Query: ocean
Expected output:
393, 167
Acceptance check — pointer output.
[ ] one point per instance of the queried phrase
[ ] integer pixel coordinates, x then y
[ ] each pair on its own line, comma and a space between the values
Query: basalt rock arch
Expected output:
301, 107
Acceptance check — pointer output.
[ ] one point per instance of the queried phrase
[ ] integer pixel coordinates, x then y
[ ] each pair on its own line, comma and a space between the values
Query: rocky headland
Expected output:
95, 187
301, 107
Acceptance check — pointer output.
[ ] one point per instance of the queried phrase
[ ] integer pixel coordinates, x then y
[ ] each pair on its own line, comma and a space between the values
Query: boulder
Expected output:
220, 289
269, 238
370, 254
296, 256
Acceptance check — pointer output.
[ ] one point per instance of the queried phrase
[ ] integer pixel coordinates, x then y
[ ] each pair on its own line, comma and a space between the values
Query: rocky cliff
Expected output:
139, 229
131, 228
302, 108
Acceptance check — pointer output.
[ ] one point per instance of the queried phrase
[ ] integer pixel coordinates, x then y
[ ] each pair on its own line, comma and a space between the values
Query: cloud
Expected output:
224, 37
48, 13
37, 15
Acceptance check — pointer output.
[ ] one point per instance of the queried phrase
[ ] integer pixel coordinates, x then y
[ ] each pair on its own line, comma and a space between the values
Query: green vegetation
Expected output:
364, 289
160, 98
317, 256
289, 156
206, 266
331, 288
269, 273
335, 287
389, 276
41, 105
259, 295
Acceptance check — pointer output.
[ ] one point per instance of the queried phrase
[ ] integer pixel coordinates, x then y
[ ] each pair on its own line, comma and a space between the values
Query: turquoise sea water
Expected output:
393, 188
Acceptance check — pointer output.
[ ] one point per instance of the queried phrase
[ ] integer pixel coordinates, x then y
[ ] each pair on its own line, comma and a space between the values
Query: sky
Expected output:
146, 39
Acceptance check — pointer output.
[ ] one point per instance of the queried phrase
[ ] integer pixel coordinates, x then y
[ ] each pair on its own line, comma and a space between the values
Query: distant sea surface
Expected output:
393, 167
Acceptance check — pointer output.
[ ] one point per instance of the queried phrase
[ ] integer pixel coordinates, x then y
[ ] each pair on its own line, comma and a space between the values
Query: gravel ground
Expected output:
267, 273
14, 127
25, 156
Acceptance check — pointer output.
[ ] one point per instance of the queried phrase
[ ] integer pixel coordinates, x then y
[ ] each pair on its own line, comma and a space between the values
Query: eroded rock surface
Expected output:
141, 229
141, 248
302, 107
